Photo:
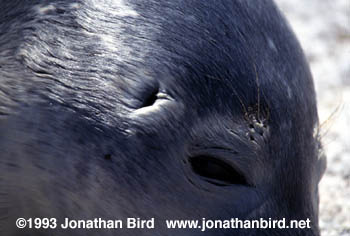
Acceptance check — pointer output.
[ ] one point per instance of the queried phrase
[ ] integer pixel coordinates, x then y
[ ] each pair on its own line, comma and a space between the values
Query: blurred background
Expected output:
323, 29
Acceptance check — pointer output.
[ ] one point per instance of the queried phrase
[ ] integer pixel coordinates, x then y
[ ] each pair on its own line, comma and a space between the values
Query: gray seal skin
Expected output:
155, 109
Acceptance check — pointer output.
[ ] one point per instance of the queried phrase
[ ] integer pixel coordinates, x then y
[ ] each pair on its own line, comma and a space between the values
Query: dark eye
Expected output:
216, 171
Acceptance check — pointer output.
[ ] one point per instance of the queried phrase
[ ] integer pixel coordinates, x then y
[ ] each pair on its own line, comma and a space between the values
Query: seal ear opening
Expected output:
216, 171
151, 98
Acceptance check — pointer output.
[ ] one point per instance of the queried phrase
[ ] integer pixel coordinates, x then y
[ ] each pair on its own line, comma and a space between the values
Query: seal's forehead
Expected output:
116, 8
109, 26
88, 51
94, 52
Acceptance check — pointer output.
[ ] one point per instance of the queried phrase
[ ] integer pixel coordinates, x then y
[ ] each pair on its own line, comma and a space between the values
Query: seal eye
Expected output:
216, 171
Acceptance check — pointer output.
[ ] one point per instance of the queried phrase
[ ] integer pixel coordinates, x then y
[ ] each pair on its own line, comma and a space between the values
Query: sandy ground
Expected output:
323, 28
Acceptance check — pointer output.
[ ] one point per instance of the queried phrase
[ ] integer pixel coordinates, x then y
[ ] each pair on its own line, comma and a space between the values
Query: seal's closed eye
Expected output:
216, 171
